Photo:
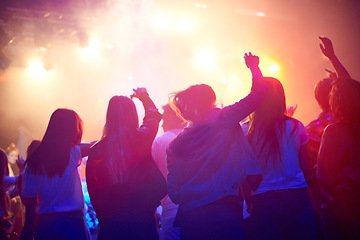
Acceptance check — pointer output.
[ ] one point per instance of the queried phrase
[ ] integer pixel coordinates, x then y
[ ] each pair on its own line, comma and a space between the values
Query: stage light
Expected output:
205, 58
224, 80
36, 69
274, 68
261, 14
92, 50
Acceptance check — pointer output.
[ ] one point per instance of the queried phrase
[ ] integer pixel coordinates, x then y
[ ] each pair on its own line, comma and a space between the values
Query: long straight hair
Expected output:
267, 123
3, 172
119, 131
64, 131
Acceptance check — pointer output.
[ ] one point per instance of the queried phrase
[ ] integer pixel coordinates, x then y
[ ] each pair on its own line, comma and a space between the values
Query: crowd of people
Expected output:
213, 175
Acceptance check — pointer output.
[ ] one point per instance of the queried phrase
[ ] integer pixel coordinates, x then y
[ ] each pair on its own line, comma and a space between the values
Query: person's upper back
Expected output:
56, 194
339, 159
141, 191
285, 173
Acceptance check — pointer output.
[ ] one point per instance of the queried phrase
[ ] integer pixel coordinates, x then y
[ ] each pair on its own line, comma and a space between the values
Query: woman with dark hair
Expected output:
210, 159
339, 161
125, 185
51, 185
280, 206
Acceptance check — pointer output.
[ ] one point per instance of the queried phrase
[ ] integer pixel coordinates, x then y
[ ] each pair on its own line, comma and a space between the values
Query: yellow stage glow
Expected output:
92, 51
36, 68
205, 58
275, 68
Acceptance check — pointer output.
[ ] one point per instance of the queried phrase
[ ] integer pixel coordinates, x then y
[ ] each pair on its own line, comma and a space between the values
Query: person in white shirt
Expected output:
51, 182
172, 125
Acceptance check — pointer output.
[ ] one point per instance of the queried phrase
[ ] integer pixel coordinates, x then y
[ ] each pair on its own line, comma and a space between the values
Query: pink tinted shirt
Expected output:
56, 194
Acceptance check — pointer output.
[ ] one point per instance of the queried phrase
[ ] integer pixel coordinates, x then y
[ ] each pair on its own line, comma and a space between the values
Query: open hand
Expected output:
327, 47
138, 92
20, 162
251, 60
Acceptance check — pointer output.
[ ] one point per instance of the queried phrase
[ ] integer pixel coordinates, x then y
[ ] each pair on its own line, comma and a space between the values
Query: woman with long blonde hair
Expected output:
125, 185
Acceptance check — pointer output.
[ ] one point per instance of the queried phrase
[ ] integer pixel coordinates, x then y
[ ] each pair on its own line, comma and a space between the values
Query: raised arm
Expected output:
233, 114
252, 62
328, 50
152, 117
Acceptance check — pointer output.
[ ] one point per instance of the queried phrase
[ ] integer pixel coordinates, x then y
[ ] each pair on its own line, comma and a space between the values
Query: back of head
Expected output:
345, 102
121, 116
171, 120
64, 128
322, 93
194, 102
267, 122
32, 147
63, 132
274, 105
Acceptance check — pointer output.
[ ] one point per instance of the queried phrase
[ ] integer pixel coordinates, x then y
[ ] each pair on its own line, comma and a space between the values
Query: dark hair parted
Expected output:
64, 131
267, 123
194, 102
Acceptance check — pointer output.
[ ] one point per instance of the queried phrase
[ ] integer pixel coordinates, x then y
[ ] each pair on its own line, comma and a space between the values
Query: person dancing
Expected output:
125, 185
209, 160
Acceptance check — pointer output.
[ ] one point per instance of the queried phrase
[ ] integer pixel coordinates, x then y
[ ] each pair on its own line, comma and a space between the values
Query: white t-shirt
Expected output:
56, 194
158, 151
286, 174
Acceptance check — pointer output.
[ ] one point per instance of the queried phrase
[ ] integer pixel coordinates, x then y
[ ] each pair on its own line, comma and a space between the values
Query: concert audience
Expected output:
209, 160
124, 183
210, 167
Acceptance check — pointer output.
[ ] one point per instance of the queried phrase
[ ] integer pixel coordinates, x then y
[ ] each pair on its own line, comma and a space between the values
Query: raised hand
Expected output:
251, 60
290, 110
138, 92
327, 47
20, 162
